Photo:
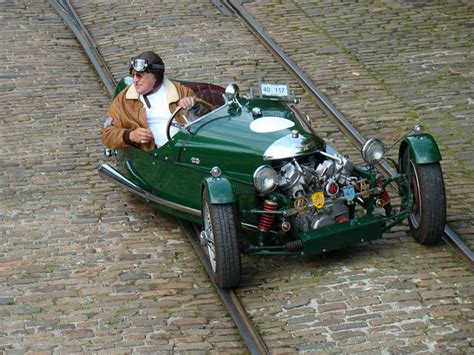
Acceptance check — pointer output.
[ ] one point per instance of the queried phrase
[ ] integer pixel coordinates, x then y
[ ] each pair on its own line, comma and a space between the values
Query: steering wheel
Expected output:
172, 118
197, 100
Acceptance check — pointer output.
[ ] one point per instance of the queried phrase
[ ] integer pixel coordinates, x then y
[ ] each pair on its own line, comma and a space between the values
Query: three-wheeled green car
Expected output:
253, 173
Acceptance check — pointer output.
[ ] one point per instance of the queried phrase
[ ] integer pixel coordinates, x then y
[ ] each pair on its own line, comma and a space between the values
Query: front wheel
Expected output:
428, 215
220, 240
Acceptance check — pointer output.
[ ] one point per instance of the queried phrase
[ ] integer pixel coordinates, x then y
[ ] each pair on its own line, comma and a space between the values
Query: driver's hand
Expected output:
186, 102
141, 135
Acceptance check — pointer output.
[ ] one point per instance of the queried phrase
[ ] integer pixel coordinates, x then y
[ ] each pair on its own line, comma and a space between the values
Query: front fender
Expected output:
219, 189
423, 148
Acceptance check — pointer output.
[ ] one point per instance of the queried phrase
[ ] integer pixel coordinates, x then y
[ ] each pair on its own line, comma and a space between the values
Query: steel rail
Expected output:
230, 299
73, 21
253, 340
341, 121
453, 240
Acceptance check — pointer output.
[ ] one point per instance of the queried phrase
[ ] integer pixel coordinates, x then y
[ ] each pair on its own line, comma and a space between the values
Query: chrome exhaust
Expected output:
109, 173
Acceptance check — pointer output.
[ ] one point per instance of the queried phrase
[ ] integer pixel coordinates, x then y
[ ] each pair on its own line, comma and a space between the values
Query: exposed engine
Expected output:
308, 180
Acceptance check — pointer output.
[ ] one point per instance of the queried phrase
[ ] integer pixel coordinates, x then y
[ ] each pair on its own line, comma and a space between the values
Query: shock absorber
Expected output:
266, 220
384, 197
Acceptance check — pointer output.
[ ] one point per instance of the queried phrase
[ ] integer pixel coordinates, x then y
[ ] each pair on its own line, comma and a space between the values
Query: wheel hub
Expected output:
204, 238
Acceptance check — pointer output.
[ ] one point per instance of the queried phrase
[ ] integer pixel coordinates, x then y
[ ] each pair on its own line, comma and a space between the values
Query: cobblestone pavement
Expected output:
85, 267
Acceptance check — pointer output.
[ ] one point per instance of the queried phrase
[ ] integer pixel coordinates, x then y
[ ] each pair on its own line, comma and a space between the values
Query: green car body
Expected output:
221, 152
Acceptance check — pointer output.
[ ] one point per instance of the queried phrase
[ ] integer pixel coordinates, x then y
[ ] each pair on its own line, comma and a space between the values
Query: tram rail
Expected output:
229, 297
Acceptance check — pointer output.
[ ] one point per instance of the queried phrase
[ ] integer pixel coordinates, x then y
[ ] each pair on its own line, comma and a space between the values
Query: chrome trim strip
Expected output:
173, 205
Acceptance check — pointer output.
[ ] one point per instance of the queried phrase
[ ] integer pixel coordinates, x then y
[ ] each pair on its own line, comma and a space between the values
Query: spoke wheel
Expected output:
220, 240
426, 191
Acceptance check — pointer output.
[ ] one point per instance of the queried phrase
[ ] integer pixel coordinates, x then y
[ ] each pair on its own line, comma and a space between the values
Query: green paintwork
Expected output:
341, 235
220, 190
423, 148
179, 171
226, 140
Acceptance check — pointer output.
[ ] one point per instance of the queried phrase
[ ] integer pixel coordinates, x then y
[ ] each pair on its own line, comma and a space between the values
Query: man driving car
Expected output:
139, 114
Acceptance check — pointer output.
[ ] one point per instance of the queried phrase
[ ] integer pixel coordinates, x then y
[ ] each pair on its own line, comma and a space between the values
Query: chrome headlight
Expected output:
373, 151
265, 179
418, 128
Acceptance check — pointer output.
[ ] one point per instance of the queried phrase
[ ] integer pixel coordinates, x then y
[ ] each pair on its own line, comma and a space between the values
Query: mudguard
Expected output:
220, 190
422, 147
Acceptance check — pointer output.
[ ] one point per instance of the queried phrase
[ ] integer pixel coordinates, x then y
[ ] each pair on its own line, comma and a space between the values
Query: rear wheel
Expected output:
428, 215
220, 241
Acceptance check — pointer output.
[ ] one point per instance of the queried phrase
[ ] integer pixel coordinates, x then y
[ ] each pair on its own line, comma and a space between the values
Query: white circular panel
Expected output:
270, 124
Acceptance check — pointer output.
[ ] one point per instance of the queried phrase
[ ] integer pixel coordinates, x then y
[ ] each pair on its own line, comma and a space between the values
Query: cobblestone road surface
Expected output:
85, 267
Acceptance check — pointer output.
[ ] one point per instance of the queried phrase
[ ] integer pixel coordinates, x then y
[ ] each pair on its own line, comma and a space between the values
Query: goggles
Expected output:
140, 65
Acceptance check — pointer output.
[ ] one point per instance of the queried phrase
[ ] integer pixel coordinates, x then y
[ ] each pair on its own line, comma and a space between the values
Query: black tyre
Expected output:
428, 216
220, 241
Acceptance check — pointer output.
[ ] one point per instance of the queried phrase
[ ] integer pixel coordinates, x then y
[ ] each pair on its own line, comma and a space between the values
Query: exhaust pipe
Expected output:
109, 173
